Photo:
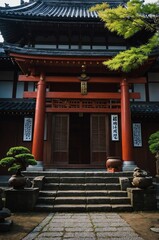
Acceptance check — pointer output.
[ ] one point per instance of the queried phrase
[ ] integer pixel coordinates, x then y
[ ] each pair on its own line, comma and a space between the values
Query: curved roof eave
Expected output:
71, 10
48, 52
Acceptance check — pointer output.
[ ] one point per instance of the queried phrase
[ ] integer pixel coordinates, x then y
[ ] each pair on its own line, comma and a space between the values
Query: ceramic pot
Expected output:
142, 182
113, 164
17, 181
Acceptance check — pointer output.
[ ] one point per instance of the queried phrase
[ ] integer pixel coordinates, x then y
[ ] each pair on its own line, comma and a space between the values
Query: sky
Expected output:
17, 2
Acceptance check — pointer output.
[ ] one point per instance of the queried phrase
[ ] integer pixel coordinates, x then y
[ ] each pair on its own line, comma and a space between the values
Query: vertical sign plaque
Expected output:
114, 127
84, 87
28, 126
137, 136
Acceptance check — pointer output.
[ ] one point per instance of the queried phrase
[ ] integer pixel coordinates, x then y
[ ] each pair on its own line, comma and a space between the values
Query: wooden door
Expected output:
60, 126
99, 139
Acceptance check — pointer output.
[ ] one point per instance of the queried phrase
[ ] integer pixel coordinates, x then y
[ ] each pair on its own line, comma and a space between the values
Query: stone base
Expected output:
21, 200
37, 167
128, 166
157, 179
142, 199
6, 225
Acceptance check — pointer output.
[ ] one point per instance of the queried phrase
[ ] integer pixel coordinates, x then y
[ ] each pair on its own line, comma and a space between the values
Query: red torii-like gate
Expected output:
39, 66
41, 95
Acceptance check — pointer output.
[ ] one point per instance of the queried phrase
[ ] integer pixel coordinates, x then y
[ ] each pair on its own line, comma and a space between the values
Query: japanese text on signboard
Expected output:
114, 128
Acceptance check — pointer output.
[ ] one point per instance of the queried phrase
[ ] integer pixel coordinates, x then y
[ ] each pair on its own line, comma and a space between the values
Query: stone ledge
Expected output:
21, 200
142, 199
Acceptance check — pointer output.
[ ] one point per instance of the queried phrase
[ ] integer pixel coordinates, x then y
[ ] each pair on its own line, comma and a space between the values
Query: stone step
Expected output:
82, 180
43, 208
117, 193
79, 186
52, 180
46, 200
120, 200
69, 208
51, 186
122, 208
92, 208
82, 191
83, 208
75, 173
70, 193
91, 193
83, 200
47, 193
102, 186
70, 200
101, 180
67, 186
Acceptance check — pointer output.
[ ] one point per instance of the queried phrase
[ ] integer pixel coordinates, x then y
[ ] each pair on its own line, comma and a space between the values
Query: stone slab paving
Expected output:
84, 226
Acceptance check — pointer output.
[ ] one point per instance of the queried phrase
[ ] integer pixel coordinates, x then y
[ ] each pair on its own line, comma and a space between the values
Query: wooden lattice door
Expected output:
60, 128
99, 142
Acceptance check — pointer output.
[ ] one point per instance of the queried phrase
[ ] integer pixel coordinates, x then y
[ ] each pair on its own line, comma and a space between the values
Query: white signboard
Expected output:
28, 127
114, 128
137, 136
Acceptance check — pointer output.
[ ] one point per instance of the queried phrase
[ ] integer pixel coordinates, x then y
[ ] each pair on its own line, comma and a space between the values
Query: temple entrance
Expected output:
79, 138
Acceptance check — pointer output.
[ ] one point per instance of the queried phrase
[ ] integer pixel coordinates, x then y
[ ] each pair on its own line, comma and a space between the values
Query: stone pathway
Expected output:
84, 226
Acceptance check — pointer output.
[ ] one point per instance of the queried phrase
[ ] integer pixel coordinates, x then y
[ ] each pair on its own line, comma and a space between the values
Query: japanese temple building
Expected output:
58, 99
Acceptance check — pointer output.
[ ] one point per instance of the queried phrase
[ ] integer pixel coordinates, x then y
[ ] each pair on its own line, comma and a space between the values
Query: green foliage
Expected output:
154, 142
127, 20
14, 168
134, 57
18, 158
17, 150
8, 161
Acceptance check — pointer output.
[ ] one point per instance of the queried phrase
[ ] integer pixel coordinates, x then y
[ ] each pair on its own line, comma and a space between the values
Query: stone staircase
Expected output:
81, 191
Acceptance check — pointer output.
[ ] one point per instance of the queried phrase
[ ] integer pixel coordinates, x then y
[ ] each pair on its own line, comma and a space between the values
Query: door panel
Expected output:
60, 138
98, 139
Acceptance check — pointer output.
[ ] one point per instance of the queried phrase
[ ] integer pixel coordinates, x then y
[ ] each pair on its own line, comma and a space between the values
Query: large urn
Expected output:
17, 181
113, 164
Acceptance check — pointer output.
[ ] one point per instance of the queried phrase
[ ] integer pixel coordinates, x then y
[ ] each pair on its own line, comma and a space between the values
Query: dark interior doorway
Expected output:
79, 138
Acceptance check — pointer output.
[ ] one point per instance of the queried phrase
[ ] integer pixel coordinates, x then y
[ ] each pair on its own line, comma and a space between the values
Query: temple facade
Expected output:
57, 97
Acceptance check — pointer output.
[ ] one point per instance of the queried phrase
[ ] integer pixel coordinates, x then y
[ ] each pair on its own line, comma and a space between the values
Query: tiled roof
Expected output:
60, 52
145, 109
17, 106
56, 9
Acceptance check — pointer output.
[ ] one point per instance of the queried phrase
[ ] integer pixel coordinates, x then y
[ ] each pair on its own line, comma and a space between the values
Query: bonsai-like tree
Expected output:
17, 159
127, 20
154, 148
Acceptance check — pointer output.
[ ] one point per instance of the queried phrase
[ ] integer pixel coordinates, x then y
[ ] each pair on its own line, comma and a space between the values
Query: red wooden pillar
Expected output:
39, 123
126, 128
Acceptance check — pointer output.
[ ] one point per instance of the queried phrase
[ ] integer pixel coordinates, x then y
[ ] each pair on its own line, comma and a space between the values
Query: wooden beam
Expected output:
25, 78
137, 80
77, 95
29, 94
69, 79
91, 110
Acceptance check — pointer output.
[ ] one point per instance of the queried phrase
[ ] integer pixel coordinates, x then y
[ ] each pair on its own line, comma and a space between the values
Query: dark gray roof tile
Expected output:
55, 9
16, 106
